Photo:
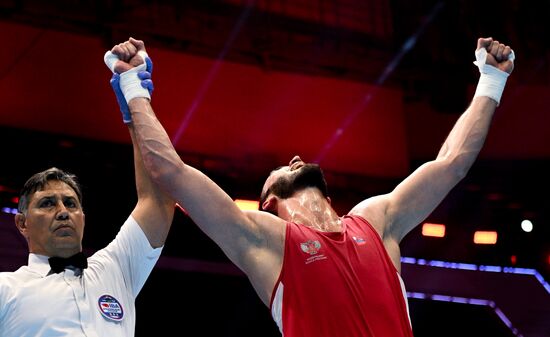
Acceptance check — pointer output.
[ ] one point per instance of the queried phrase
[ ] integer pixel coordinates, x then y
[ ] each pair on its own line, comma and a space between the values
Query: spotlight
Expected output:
527, 226
433, 230
247, 205
485, 237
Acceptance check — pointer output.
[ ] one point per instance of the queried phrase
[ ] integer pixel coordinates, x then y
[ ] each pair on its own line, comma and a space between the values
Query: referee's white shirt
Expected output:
35, 304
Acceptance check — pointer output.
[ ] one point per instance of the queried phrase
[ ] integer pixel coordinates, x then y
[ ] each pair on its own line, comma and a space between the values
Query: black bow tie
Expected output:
58, 264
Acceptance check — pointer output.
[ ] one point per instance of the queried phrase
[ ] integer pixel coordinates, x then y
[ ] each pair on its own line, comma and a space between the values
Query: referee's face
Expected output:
54, 221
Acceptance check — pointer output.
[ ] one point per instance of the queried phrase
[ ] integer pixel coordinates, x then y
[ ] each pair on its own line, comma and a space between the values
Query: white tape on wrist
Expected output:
110, 60
492, 80
130, 84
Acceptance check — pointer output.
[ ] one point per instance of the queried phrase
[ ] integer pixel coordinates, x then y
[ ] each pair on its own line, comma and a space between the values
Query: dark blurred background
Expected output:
369, 89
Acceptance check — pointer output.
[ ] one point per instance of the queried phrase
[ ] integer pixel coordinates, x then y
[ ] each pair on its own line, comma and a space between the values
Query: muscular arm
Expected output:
252, 240
397, 213
420, 193
154, 210
237, 233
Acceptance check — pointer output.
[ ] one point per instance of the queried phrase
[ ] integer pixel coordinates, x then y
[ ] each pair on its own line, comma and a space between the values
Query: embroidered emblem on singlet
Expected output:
311, 247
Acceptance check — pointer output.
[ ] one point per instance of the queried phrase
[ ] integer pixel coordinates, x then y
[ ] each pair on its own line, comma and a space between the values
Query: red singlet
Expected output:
339, 285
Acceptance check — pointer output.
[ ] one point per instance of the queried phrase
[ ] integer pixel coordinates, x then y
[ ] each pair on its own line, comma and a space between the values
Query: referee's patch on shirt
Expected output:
110, 308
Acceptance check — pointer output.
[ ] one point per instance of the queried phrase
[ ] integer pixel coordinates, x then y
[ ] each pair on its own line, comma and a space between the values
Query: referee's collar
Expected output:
39, 264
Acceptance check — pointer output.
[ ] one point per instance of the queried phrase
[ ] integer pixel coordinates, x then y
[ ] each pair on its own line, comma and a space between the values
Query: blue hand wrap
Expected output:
115, 84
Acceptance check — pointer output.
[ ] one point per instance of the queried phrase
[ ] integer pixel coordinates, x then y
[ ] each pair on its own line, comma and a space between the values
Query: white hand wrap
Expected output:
492, 80
110, 60
130, 83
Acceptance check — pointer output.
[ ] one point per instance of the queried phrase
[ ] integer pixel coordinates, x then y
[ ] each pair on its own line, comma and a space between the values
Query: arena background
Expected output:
369, 89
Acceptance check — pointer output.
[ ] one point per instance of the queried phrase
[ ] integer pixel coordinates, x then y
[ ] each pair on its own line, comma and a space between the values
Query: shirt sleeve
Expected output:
132, 253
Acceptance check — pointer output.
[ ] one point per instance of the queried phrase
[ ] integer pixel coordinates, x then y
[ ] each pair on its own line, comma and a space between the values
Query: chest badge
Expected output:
311, 247
110, 308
